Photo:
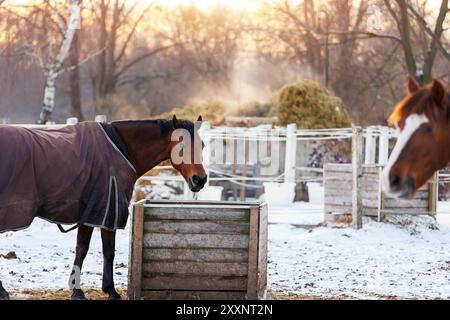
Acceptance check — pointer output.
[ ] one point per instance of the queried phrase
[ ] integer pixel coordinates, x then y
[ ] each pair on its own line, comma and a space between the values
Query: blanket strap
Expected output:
83, 217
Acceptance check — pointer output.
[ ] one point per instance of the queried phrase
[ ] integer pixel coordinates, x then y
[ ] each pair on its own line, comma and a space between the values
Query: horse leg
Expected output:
83, 240
109, 247
3, 293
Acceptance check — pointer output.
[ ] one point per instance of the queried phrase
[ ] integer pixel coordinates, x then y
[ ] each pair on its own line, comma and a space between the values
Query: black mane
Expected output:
165, 126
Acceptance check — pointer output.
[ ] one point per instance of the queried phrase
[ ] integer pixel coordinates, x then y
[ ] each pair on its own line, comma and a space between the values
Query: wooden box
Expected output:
338, 193
198, 250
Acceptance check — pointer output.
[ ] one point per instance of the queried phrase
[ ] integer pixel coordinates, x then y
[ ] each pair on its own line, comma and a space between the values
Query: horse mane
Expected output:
165, 126
421, 102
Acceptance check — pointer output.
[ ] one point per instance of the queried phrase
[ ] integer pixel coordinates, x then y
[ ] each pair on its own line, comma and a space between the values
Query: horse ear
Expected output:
176, 124
413, 85
200, 119
439, 92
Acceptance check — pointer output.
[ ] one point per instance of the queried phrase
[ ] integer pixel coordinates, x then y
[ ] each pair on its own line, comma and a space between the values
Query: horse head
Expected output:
186, 150
423, 144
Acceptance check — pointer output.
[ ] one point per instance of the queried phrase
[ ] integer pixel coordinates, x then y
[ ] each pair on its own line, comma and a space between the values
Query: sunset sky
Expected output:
206, 5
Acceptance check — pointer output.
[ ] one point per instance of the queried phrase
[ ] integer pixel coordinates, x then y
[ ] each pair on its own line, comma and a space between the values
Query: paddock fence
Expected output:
345, 162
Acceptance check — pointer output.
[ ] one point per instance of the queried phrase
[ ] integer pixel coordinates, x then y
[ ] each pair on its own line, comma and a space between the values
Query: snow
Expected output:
45, 257
407, 258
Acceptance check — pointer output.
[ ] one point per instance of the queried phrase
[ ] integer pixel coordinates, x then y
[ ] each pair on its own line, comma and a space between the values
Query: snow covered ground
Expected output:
410, 259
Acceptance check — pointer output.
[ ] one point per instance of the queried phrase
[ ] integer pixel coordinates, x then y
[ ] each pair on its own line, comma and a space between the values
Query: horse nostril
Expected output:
410, 182
395, 180
198, 181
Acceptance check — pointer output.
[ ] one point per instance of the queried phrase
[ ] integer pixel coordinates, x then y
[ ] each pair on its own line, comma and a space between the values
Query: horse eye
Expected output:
429, 129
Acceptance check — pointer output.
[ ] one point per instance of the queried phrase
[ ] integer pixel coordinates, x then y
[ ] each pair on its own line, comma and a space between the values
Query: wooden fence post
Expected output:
433, 194
291, 153
357, 141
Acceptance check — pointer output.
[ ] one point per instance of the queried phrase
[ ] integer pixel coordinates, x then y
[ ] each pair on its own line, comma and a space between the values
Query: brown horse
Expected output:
137, 146
422, 120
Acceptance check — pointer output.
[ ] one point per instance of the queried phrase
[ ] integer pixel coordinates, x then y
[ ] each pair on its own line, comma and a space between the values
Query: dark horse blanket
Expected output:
67, 176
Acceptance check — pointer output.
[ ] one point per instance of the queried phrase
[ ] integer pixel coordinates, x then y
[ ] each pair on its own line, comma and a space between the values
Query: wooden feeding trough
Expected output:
198, 250
338, 186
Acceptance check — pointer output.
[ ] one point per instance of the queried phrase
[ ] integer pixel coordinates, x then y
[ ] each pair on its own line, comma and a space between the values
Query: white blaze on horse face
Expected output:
412, 123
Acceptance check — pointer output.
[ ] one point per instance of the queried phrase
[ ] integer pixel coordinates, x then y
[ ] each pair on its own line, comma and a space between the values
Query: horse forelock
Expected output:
421, 103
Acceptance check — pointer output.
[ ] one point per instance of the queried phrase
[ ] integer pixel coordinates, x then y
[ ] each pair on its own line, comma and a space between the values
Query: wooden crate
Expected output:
338, 193
198, 250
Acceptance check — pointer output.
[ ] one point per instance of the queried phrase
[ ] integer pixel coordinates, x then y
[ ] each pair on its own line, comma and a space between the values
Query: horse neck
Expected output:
144, 144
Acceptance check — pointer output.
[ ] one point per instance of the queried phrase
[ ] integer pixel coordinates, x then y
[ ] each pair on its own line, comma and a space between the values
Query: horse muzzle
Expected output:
196, 183
399, 187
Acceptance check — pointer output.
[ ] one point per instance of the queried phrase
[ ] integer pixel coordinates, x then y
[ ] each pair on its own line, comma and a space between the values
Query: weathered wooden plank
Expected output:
346, 194
196, 227
336, 208
135, 256
185, 282
180, 213
348, 167
345, 186
262, 252
403, 212
193, 295
336, 201
433, 194
406, 210
414, 203
337, 167
195, 268
197, 255
370, 212
332, 201
253, 254
168, 240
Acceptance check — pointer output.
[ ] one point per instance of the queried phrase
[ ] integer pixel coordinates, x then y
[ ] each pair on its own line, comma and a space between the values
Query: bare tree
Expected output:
116, 33
74, 77
54, 66
415, 33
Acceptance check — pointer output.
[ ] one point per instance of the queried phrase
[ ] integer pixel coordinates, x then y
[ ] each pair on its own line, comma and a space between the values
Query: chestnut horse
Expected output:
422, 120
145, 144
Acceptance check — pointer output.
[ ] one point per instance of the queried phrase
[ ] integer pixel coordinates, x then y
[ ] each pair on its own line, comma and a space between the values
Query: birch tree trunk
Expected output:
53, 68
74, 78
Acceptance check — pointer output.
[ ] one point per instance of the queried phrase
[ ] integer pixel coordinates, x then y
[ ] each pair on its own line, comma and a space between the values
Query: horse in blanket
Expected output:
84, 174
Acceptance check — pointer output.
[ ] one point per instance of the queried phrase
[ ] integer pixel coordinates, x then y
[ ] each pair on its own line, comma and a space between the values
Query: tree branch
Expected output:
437, 33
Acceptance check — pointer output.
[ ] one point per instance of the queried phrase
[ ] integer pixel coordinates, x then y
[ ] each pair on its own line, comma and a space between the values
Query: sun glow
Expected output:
208, 5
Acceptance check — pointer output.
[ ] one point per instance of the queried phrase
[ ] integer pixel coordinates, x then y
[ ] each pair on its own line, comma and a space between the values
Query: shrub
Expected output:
310, 106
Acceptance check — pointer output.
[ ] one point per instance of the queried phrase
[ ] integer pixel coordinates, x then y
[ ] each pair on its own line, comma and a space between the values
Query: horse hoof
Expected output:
4, 295
114, 296
78, 294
